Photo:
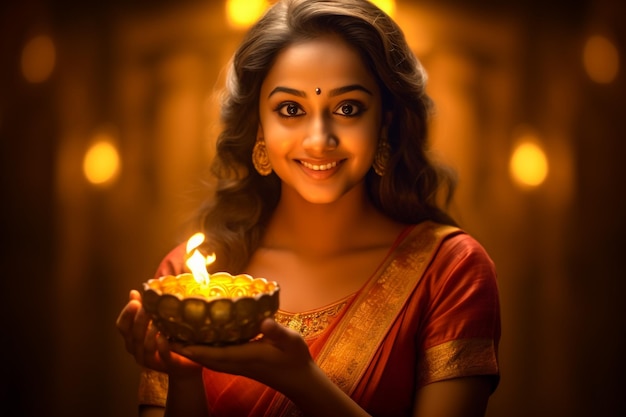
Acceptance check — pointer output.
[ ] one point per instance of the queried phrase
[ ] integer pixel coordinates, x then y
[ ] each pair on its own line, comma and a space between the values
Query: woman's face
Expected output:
321, 118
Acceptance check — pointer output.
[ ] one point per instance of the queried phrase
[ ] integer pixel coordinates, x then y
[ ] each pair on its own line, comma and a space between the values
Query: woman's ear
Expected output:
259, 132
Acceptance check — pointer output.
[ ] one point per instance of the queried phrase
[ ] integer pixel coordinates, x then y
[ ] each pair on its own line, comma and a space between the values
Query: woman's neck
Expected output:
349, 223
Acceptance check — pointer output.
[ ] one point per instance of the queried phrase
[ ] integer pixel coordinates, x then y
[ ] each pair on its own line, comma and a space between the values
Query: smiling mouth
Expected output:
321, 167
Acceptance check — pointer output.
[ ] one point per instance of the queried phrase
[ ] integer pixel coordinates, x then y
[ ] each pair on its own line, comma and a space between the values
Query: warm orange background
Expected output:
146, 71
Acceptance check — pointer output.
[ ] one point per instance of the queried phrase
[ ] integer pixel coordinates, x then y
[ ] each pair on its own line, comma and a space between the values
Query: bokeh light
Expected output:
101, 164
38, 59
529, 164
600, 59
243, 13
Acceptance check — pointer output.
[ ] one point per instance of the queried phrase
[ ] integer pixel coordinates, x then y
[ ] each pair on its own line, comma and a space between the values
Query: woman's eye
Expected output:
349, 109
289, 110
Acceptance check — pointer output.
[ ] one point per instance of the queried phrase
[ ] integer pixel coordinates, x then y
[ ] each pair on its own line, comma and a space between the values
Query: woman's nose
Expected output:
320, 137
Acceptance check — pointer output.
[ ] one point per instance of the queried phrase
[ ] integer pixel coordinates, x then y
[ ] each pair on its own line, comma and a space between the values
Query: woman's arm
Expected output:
319, 396
186, 397
151, 411
458, 397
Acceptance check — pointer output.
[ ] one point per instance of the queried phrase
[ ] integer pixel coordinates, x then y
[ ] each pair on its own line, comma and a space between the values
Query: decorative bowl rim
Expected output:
160, 292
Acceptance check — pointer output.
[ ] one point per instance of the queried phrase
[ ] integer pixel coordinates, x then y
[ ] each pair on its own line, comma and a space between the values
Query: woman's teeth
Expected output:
323, 167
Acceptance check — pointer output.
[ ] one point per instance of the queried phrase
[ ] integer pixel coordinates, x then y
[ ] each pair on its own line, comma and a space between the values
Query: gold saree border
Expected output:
349, 351
458, 358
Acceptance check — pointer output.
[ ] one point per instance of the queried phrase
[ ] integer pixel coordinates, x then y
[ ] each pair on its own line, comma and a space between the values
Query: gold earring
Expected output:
381, 159
260, 160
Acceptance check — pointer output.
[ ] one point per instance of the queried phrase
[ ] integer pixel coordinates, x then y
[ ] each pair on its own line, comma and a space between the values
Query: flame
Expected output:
196, 262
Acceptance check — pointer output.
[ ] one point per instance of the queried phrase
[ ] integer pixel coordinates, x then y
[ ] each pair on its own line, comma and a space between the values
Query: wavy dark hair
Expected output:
235, 217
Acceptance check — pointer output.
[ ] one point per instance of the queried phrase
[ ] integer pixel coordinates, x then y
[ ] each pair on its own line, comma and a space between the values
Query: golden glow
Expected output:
387, 6
38, 59
242, 14
101, 164
196, 262
601, 59
528, 165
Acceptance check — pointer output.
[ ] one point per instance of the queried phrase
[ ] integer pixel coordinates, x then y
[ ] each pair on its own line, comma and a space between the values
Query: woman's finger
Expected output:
139, 334
135, 295
125, 323
126, 320
126, 317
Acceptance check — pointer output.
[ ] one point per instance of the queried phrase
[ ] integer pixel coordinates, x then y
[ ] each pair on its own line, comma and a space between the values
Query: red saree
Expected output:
432, 306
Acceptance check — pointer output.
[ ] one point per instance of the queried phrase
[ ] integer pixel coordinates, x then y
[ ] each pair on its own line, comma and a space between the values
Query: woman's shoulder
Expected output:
464, 246
461, 260
452, 239
451, 246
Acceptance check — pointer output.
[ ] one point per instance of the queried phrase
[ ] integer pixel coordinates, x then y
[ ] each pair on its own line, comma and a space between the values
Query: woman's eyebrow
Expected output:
287, 90
348, 88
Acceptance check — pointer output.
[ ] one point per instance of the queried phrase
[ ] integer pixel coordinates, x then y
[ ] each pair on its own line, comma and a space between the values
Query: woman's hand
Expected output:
146, 344
279, 359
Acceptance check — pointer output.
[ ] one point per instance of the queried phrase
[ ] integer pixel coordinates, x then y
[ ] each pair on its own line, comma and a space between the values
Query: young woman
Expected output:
324, 185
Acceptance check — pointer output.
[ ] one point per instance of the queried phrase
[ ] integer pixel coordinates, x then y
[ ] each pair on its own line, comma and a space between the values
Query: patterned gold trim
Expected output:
152, 388
458, 358
310, 325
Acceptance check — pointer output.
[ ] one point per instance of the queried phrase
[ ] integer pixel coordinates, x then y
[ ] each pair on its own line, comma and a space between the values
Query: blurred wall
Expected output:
145, 74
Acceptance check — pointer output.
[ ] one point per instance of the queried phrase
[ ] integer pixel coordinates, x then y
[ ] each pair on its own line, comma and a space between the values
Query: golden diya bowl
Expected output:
227, 310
